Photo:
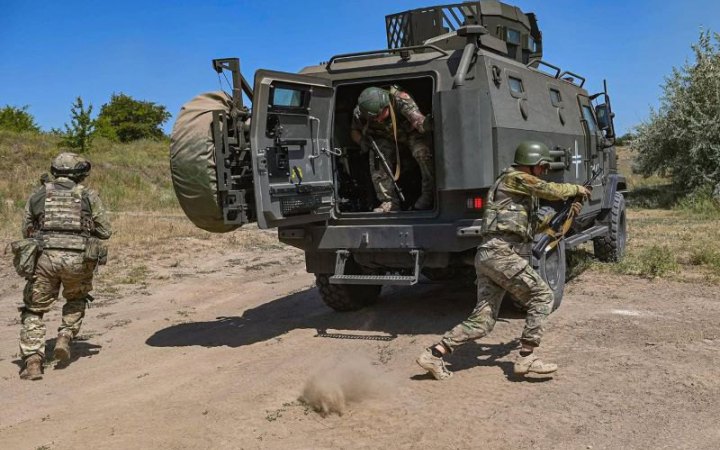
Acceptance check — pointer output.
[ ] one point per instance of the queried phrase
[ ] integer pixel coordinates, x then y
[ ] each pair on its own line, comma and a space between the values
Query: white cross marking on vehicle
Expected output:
577, 160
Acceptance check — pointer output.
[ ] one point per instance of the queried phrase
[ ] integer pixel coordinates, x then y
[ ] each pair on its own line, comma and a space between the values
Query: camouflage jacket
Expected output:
513, 200
92, 207
408, 117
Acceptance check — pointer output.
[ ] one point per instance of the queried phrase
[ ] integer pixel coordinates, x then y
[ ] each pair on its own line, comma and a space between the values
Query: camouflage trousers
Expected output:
419, 146
55, 268
500, 270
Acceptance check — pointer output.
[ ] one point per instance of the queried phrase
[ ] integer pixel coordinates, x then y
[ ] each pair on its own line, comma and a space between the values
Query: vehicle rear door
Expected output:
290, 138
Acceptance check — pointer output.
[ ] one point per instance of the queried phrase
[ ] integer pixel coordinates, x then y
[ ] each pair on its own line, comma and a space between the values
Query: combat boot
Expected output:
62, 347
387, 207
434, 365
532, 364
33, 368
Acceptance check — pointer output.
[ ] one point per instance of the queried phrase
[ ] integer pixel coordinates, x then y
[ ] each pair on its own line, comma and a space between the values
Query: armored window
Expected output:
531, 44
555, 97
590, 118
287, 97
513, 37
516, 85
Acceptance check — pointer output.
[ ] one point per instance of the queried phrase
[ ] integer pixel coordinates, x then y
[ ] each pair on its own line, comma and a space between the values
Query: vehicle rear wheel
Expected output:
464, 275
551, 268
346, 297
611, 247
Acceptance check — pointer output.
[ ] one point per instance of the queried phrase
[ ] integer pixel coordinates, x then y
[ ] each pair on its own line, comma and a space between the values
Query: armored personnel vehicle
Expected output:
289, 161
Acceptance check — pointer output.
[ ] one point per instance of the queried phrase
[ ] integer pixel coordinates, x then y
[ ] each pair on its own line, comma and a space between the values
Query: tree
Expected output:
125, 119
79, 134
682, 137
17, 119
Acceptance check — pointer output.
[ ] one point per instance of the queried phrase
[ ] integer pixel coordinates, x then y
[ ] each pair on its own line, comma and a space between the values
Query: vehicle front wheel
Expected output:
611, 247
346, 297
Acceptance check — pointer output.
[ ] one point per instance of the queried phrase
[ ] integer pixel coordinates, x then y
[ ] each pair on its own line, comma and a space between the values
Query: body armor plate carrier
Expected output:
64, 222
507, 211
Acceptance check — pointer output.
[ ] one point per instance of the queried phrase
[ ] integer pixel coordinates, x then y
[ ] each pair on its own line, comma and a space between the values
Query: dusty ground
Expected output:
211, 347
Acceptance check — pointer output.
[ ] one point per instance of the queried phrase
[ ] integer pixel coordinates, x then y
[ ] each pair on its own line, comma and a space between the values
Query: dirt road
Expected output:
213, 351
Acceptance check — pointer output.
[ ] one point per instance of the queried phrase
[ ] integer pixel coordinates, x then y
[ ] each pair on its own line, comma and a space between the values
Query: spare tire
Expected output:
192, 162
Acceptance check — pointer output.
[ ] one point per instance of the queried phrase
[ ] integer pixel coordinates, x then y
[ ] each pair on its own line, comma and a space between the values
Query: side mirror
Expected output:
605, 119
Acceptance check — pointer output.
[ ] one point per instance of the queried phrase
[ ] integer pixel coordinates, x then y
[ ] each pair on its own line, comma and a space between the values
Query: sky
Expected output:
161, 51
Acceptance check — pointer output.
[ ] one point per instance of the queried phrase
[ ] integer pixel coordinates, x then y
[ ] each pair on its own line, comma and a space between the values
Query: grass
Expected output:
134, 183
670, 236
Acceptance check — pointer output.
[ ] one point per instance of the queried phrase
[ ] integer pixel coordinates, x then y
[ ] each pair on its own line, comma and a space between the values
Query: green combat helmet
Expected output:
373, 100
70, 165
532, 153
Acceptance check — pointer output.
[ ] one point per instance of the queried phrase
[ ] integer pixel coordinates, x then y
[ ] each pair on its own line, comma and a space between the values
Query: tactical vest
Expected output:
64, 224
508, 212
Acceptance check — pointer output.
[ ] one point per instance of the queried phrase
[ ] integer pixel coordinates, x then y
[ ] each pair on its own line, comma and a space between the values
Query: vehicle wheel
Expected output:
346, 297
611, 247
439, 273
464, 275
551, 268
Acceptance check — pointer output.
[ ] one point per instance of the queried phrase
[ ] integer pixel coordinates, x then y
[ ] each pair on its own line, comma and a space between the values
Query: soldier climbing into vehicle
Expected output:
392, 119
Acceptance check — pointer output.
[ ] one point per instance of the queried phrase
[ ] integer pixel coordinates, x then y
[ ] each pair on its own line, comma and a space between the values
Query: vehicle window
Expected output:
513, 36
516, 85
588, 115
285, 97
555, 97
531, 44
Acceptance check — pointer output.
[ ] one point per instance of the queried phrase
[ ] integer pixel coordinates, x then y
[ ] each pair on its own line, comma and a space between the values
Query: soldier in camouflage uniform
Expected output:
508, 222
68, 219
392, 118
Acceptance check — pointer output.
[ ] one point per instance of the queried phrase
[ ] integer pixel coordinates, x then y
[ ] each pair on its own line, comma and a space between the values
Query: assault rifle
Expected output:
386, 167
560, 223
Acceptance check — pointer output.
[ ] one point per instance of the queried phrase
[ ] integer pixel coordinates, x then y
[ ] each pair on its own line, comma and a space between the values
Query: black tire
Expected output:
611, 247
464, 275
346, 297
551, 267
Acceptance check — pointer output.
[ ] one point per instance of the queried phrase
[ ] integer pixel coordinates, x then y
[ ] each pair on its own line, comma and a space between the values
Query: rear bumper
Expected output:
438, 237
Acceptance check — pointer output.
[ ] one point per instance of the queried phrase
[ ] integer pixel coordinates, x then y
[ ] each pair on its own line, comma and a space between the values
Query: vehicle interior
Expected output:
356, 193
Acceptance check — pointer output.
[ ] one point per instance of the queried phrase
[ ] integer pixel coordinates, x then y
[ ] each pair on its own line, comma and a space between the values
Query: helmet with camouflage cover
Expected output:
532, 153
70, 165
373, 100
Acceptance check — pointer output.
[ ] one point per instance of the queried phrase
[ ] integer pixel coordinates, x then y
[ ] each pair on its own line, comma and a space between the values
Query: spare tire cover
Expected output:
192, 161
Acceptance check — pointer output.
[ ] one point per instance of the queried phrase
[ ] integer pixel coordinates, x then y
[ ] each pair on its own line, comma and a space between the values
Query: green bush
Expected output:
79, 133
125, 119
17, 119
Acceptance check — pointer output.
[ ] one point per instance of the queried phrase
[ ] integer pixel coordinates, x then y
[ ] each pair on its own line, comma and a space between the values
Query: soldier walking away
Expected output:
509, 222
393, 119
68, 220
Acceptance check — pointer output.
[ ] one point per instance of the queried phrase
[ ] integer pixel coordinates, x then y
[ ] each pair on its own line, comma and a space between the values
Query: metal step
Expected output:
397, 280
591, 233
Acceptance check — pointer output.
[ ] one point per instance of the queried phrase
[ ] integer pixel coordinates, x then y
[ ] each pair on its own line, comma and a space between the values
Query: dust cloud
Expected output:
338, 384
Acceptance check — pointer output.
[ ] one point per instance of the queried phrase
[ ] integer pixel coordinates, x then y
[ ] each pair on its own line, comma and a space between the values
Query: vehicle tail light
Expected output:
475, 203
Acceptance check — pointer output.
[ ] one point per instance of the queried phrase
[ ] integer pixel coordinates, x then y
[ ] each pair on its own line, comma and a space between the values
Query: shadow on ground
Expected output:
422, 309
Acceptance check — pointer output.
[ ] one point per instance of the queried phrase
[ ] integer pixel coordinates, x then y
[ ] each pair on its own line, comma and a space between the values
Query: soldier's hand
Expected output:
584, 191
576, 208
427, 124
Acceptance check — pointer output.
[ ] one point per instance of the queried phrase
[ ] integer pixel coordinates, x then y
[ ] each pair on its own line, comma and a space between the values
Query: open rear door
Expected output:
290, 137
